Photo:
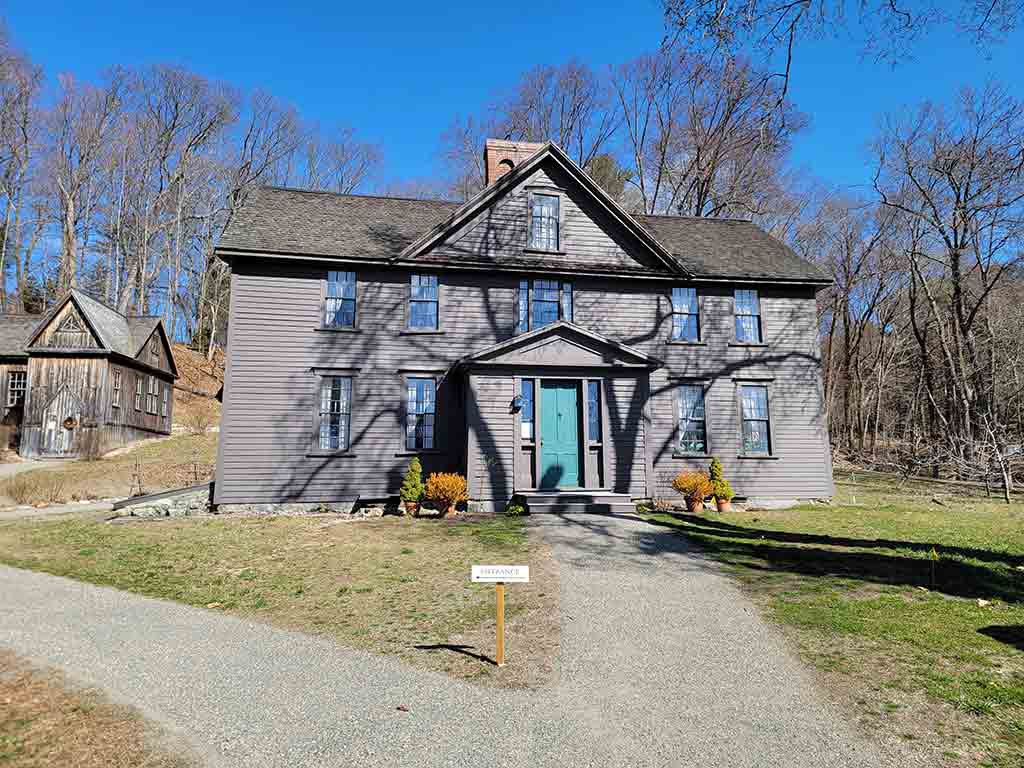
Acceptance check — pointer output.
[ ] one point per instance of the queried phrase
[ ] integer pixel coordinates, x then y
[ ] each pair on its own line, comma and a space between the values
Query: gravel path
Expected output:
663, 663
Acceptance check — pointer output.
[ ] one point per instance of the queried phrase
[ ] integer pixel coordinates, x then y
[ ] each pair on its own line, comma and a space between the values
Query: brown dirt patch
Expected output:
46, 723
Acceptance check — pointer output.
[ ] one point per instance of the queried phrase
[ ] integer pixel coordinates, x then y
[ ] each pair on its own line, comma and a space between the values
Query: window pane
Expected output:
692, 425
684, 327
340, 302
423, 315
544, 222
755, 437
335, 410
567, 302
748, 329
526, 415
523, 323
545, 303
594, 410
755, 402
420, 407
424, 287
684, 300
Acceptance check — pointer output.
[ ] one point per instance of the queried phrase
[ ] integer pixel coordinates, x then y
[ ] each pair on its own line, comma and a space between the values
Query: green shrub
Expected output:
715, 472
721, 489
517, 506
412, 486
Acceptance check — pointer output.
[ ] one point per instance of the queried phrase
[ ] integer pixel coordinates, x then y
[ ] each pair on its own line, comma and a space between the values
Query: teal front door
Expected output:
559, 435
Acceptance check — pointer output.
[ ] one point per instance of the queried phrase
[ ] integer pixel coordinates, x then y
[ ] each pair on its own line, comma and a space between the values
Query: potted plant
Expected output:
723, 494
694, 487
720, 487
446, 490
412, 487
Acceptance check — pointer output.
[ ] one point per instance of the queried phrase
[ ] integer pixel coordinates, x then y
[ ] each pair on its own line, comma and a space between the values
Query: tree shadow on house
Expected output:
959, 572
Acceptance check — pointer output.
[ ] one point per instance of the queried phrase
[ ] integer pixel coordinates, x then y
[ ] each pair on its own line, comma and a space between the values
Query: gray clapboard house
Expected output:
83, 379
538, 338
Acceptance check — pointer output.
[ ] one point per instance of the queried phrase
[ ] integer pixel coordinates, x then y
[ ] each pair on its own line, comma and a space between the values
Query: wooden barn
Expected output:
84, 379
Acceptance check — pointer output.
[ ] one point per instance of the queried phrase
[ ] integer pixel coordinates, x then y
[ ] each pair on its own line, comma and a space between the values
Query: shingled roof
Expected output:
284, 221
14, 333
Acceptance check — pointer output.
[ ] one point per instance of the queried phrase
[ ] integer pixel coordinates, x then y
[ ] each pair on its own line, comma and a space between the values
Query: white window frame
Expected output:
325, 406
11, 389
115, 388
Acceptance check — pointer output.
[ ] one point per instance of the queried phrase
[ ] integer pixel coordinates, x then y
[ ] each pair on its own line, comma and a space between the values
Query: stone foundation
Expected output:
198, 503
194, 503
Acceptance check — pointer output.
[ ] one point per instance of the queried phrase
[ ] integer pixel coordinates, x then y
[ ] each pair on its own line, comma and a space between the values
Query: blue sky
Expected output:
399, 71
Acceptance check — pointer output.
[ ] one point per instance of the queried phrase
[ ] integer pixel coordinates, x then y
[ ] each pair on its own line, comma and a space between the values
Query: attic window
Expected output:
154, 349
544, 221
506, 165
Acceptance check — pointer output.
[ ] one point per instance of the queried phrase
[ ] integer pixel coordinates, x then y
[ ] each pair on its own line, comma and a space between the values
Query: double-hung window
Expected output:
115, 389
164, 397
685, 315
693, 432
526, 414
423, 303
420, 410
544, 222
340, 300
16, 385
755, 418
748, 317
151, 395
543, 302
335, 413
138, 392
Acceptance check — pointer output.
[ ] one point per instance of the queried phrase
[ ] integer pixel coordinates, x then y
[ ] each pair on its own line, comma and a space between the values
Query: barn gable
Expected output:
66, 328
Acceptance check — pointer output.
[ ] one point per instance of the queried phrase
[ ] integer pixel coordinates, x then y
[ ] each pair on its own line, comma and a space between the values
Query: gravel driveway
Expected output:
663, 663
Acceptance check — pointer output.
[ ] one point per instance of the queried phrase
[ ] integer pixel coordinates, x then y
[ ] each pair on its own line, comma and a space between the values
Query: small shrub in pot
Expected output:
695, 487
723, 494
446, 490
412, 487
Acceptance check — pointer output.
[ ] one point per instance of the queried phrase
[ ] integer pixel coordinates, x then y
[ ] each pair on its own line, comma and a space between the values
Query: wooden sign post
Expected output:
499, 575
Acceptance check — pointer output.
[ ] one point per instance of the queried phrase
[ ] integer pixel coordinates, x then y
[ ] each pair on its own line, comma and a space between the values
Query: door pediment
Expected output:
562, 345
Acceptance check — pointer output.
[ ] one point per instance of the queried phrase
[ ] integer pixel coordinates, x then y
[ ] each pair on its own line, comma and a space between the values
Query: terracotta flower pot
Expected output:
724, 505
412, 507
696, 506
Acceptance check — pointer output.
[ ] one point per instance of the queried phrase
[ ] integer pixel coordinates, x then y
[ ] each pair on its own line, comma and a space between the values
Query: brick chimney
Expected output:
501, 156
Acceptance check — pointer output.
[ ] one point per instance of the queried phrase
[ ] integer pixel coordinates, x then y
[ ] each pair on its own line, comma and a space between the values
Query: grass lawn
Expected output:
163, 464
924, 647
47, 724
392, 585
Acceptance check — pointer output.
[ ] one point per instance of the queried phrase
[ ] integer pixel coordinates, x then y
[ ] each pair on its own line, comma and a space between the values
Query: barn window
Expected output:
138, 392
151, 395
115, 393
16, 388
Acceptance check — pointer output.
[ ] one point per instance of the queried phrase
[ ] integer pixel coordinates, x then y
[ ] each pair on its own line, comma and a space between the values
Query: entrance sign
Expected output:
499, 575
494, 574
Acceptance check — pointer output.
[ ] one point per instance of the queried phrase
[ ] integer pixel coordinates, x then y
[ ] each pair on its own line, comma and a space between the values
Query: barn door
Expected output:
60, 424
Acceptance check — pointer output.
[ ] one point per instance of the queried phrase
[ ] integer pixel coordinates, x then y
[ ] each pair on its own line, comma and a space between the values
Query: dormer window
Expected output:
544, 219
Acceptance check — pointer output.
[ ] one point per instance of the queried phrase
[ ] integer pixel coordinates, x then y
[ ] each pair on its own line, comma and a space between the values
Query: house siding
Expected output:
275, 346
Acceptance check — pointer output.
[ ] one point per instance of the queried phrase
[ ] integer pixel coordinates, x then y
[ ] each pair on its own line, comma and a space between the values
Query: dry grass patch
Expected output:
45, 723
163, 464
395, 586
